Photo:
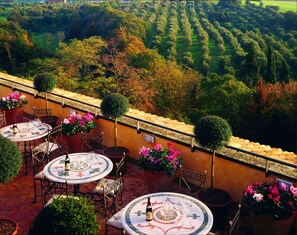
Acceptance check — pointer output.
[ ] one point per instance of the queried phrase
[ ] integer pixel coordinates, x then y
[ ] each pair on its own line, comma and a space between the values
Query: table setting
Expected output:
173, 213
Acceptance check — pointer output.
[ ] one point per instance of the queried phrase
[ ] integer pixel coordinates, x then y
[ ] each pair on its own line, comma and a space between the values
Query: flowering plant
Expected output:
159, 159
77, 123
12, 101
278, 200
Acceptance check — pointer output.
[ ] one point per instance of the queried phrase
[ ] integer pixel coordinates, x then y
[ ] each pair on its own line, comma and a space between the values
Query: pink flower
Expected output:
144, 151
89, 116
158, 147
258, 197
293, 190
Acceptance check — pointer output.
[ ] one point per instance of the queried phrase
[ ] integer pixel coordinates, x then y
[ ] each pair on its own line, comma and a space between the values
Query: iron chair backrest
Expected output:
53, 190
92, 141
54, 137
2, 119
38, 156
234, 224
110, 192
38, 112
190, 177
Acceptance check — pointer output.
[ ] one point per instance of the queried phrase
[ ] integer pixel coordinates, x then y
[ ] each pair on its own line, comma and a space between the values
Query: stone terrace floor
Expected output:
16, 198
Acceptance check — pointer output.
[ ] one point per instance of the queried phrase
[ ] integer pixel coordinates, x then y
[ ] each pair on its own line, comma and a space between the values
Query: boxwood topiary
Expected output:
212, 132
66, 215
10, 160
45, 82
114, 106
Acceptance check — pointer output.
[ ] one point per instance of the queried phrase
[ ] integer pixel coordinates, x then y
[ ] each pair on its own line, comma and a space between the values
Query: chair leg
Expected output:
34, 191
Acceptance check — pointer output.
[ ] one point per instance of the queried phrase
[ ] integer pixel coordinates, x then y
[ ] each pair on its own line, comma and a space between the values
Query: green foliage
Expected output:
212, 132
45, 82
114, 105
271, 67
10, 160
66, 216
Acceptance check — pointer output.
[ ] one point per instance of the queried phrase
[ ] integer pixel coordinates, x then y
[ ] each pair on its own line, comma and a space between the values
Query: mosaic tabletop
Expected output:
84, 168
26, 131
173, 213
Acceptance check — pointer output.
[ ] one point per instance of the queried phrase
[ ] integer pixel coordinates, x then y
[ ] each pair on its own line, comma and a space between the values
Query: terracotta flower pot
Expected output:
8, 226
14, 115
158, 182
266, 225
74, 142
218, 202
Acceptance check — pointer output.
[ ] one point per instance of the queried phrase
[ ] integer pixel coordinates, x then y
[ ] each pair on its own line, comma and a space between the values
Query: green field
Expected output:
283, 5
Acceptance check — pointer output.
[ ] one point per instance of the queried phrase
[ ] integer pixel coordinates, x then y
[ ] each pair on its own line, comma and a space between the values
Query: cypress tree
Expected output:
271, 67
284, 73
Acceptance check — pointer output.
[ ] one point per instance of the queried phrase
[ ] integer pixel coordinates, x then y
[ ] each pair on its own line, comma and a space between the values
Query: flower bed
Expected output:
160, 159
276, 200
12, 101
78, 123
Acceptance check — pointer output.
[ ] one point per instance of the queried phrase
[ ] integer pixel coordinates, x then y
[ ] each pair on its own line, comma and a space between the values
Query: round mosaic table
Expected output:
84, 168
173, 213
27, 131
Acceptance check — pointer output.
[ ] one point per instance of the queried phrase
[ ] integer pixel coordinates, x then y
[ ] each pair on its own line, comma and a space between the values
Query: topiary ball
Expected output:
212, 132
44, 82
10, 160
114, 105
66, 215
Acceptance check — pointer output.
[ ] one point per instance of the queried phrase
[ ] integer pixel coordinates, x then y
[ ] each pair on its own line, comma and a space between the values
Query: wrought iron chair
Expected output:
234, 224
45, 115
194, 181
2, 119
107, 190
92, 142
53, 190
115, 222
52, 143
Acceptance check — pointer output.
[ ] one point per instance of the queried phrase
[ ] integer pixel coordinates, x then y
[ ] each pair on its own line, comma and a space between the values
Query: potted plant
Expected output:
10, 166
115, 106
46, 82
213, 132
14, 106
160, 164
73, 126
272, 207
66, 215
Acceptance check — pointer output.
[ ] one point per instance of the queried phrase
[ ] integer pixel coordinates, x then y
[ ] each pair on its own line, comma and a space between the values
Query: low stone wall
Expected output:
234, 170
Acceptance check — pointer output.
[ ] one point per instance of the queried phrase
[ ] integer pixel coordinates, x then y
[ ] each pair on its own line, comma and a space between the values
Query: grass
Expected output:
283, 5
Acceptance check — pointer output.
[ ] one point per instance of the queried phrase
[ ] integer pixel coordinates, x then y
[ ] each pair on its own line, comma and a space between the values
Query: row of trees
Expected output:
99, 65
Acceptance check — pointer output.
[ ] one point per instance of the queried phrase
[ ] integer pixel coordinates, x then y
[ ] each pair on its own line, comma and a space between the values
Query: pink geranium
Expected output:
160, 159
77, 123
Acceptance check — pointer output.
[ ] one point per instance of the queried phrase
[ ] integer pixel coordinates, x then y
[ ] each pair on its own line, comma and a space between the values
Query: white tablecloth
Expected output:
184, 215
84, 168
26, 131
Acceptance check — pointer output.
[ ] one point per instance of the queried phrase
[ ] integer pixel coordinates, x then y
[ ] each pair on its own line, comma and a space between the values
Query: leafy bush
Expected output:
114, 105
212, 132
44, 82
66, 216
10, 160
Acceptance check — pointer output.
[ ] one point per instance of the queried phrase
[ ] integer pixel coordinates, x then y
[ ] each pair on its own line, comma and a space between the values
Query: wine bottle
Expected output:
67, 163
149, 210
14, 128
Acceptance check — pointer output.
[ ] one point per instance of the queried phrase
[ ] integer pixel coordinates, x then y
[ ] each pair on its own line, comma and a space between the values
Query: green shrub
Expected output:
114, 105
10, 160
44, 82
66, 216
212, 132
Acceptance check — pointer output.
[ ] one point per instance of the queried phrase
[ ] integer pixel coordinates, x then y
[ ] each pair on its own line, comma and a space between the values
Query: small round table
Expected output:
173, 213
27, 131
84, 168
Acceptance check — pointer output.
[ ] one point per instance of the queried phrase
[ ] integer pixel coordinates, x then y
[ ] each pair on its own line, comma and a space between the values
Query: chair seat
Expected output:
115, 220
39, 175
108, 184
56, 196
42, 147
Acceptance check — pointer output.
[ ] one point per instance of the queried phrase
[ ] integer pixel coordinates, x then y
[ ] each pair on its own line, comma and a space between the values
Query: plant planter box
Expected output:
115, 155
218, 202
